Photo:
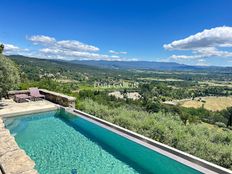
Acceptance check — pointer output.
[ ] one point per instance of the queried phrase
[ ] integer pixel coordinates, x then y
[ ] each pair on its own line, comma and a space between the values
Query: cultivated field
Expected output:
216, 83
210, 103
161, 80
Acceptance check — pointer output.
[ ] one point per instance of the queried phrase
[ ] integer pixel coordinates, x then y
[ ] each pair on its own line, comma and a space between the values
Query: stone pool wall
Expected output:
13, 160
58, 98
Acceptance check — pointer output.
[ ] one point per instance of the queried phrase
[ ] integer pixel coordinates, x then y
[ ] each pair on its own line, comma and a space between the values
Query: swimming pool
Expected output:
61, 142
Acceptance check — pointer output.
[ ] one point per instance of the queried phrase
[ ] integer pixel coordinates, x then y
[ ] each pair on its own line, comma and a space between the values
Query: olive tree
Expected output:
1, 48
9, 74
228, 115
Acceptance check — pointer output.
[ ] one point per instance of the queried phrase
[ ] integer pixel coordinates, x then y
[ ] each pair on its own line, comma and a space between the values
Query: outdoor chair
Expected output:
19, 98
35, 94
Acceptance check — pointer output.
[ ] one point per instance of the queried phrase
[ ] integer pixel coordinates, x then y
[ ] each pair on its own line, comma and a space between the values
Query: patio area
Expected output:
9, 107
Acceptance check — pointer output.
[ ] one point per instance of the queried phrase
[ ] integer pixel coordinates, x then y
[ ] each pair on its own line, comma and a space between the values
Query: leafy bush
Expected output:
1, 48
9, 75
220, 124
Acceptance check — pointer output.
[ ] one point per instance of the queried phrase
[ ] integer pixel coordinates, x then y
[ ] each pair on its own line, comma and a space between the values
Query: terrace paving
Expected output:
9, 107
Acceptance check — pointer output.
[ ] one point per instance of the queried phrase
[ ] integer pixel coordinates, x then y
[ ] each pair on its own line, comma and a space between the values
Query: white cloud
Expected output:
67, 54
13, 49
215, 37
73, 45
10, 47
76, 45
117, 52
163, 59
204, 53
68, 49
41, 39
212, 52
114, 56
207, 43
51, 48
201, 60
202, 64
133, 59
185, 56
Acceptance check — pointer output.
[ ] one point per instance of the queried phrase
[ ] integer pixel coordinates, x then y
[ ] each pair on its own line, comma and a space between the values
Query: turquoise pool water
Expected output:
61, 143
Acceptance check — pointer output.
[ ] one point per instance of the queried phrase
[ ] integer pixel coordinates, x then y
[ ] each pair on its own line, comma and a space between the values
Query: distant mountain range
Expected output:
141, 65
148, 65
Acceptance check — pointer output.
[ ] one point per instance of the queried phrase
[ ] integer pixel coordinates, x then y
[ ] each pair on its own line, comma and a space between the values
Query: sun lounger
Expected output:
35, 94
19, 98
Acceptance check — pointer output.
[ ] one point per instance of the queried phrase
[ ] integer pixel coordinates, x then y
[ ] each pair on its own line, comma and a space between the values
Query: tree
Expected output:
184, 117
1, 48
9, 74
153, 106
228, 114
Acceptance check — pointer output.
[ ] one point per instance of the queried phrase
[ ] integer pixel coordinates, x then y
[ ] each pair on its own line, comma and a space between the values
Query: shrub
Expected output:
9, 75
220, 124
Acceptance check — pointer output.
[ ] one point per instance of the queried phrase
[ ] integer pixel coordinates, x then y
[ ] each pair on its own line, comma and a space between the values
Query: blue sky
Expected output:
120, 30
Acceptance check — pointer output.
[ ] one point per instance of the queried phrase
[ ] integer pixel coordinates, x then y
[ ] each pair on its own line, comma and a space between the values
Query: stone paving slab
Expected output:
33, 171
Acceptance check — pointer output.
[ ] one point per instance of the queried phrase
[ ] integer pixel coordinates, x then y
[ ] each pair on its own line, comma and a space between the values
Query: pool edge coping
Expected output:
34, 111
173, 153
